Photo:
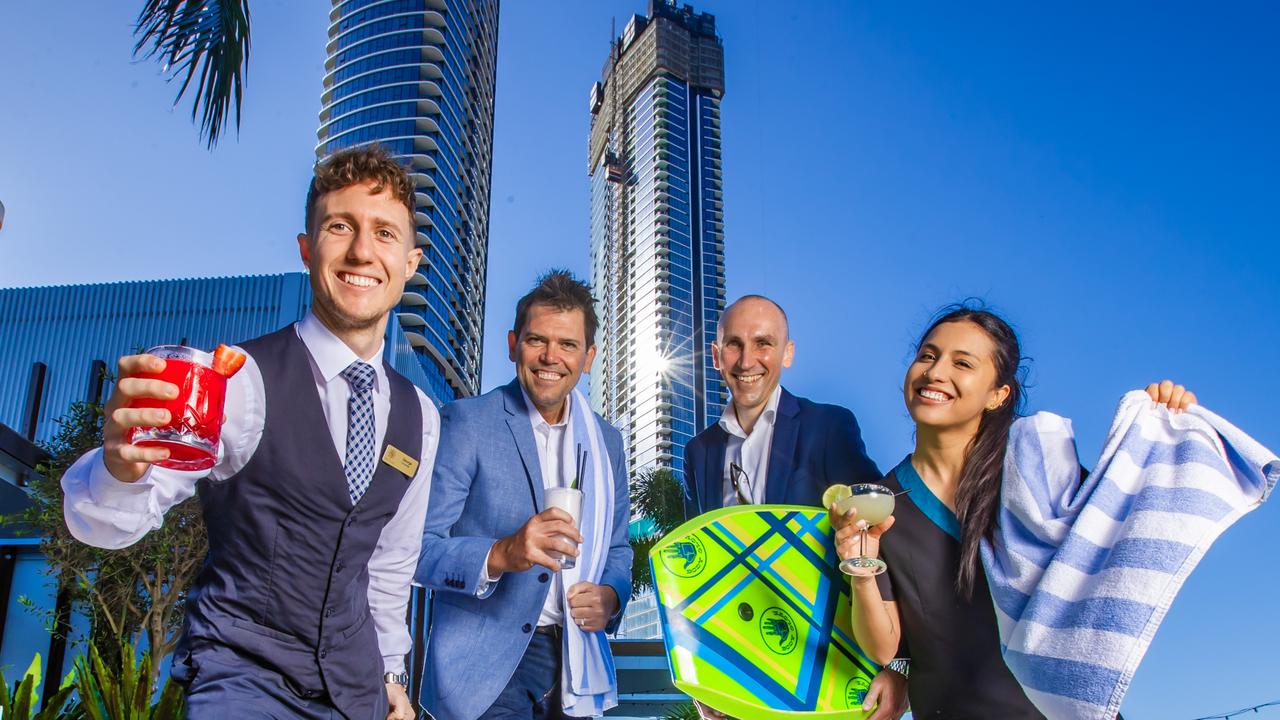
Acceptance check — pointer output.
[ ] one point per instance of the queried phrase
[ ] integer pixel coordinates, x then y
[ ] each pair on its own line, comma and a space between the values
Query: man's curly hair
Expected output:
370, 163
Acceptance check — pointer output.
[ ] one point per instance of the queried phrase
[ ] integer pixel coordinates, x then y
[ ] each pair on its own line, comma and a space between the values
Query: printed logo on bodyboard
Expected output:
855, 692
778, 630
685, 558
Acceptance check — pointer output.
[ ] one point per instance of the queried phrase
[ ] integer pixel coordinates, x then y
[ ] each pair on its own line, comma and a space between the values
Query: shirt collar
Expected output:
330, 355
536, 418
729, 418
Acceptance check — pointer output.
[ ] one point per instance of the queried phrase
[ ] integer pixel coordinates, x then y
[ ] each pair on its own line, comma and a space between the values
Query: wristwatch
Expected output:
401, 679
900, 665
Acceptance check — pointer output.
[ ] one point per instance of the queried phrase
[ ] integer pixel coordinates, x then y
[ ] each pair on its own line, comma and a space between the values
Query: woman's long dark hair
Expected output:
978, 489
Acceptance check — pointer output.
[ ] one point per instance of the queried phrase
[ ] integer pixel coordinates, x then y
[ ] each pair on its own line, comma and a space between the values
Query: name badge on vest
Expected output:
400, 461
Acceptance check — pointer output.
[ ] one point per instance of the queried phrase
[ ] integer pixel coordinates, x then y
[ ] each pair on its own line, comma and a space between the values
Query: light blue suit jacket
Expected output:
486, 484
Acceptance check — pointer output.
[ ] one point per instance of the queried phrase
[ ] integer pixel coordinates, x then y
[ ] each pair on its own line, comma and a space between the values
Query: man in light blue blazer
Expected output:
502, 611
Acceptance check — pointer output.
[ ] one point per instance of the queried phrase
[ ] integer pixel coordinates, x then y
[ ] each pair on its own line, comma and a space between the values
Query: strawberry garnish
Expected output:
227, 360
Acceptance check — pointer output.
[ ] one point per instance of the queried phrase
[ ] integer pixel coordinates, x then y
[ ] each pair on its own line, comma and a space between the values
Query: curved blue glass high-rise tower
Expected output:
417, 76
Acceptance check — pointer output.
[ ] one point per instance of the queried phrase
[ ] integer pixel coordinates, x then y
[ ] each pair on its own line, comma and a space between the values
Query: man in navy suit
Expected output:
502, 640
771, 446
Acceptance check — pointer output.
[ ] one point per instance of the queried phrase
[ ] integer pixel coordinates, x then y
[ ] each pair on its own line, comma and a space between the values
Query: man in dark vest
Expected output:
300, 609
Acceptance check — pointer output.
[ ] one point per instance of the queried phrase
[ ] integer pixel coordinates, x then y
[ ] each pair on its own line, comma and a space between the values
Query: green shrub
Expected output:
23, 702
107, 694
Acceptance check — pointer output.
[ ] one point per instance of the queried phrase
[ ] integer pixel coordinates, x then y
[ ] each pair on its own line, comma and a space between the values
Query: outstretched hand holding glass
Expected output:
167, 410
860, 514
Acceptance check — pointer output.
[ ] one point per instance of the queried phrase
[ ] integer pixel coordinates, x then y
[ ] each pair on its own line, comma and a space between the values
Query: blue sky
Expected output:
1105, 175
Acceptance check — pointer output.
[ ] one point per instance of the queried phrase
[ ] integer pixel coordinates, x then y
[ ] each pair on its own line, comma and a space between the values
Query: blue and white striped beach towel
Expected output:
1083, 574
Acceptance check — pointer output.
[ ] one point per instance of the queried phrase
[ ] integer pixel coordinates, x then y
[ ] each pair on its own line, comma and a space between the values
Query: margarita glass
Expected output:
874, 504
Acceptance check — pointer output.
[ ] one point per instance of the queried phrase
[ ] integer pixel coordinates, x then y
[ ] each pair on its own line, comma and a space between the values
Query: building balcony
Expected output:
430, 36
426, 89
425, 107
421, 162
410, 320
421, 219
337, 12
426, 71
431, 33
412, 298
420, 198
431, 17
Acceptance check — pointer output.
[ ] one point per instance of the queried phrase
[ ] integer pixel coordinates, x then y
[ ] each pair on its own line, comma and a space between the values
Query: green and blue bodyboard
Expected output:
755, 614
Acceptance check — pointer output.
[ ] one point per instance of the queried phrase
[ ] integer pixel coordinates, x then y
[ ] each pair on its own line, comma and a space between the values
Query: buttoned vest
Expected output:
286, 580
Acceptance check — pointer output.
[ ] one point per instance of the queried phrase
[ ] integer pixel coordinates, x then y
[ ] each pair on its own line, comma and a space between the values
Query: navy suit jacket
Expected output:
486, 484
814, 447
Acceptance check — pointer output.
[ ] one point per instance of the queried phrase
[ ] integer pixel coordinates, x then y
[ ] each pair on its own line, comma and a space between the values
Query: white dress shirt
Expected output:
749, 450
107, 513
548, 438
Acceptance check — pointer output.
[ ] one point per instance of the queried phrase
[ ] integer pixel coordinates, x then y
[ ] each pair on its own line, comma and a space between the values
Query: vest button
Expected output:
339, 568
527, 627
324, 654
329, 611
544, 577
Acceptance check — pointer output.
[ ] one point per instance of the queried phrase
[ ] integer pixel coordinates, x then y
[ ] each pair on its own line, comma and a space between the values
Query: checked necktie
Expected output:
360, 431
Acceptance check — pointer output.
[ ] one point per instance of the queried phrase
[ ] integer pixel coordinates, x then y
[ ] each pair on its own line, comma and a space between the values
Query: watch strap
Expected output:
900, 665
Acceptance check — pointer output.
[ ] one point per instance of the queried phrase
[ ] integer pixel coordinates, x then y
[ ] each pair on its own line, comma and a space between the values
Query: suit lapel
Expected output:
522, 433
782, 448
713, 470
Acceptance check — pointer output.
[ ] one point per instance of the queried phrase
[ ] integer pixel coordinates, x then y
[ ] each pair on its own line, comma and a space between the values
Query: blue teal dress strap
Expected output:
923, 498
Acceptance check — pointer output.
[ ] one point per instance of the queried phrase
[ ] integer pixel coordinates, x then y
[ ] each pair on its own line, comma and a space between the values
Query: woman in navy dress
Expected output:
963, 391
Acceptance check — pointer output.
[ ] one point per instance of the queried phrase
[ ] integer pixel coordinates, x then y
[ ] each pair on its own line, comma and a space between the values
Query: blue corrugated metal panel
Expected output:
68, 327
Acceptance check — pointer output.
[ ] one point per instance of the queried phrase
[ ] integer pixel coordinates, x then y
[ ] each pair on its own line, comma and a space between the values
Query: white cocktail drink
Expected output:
570, 501
873, 508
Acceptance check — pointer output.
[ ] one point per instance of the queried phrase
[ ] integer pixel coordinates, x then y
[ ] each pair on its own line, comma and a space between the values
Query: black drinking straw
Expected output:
581, 457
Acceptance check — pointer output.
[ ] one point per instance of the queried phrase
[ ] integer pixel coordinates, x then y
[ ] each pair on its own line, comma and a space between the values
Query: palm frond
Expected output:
641, 573
657, 495
205, 42
683, 711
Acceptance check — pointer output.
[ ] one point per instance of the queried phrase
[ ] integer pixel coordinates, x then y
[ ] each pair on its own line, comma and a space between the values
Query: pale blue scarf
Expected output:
588, 682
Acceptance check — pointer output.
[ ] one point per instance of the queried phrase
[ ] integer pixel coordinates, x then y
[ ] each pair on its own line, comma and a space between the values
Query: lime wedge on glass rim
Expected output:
835, 494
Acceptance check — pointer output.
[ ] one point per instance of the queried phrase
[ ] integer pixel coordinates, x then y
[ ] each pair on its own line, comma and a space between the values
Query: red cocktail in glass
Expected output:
195, 414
